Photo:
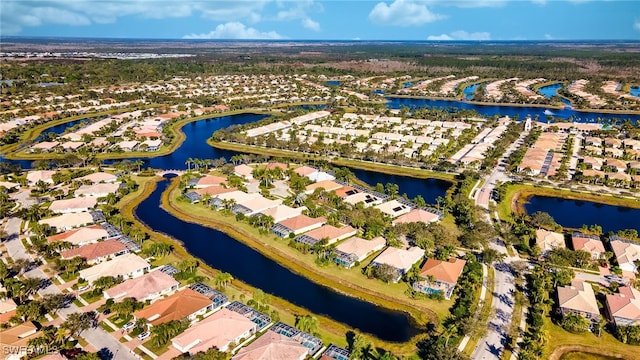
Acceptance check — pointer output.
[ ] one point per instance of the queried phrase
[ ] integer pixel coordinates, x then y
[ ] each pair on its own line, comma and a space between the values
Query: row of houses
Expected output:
627, 252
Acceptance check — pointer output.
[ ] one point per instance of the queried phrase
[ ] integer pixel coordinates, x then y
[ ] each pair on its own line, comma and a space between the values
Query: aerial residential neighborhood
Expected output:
243, 194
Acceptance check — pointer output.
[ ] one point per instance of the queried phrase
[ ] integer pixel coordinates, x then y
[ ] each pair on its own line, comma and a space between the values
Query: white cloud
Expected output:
403, 13
235, 30
636, 25
461, 35
548, 37
17, 15
310, 24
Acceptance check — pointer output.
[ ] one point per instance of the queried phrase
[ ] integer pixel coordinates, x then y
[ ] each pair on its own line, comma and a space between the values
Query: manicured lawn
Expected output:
558, 337
352, 277
78, 303
118, 321
69, 276
90, 298
106, 327
142, 354
158, 350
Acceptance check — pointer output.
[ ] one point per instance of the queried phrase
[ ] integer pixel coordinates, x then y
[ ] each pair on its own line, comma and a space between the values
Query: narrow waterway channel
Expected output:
222, 252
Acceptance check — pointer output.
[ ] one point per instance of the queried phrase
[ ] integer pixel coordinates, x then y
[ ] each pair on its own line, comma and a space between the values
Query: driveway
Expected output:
97, 337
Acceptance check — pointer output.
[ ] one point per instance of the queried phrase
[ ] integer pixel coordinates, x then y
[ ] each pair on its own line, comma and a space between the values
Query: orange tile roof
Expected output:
94, 232
214, 190
330, 232
345, 191
95, 250
625, 304
301, 222
445, 271
175, 307
273, 165
416, 215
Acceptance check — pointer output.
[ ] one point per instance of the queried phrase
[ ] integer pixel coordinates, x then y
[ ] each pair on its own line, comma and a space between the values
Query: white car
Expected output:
144, 335
128, 325
84, 287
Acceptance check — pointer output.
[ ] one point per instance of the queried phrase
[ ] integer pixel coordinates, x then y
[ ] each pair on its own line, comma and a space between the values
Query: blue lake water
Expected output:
512, 111
635, 91
195, 144
429, 189
59, 129
550, 91
222, 252
333, 82
575, 213
378, 92
469, 91
407, 84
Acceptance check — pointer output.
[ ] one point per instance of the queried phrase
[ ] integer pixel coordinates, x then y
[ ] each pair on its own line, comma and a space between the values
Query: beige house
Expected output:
356, 249
124, 266
400, 259
588, 243
578, 298
66, 222
219, 330
549, 240
146, 287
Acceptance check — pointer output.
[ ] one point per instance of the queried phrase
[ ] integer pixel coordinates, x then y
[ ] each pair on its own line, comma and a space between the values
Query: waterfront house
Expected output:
207, 181
336, 353
67, 222
297, 225
393, 208
588, 243
149, 286
326, 185
282, 212
128, 145
124, 266
439, 276
98, 252
186, 303
82, 236
365, 198
346, 191
97, 190
549, 240
219, 330
356, 249
223, 199
400, 259
417, 215
40, 175
305, 171
255, 205
627, 253
327, 232
623, 308
272, 345
578, 298
44, 146
151, 145
99, 177
244, 170
74, 205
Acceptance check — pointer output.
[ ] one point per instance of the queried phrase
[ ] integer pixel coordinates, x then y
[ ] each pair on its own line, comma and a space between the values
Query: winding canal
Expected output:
226, 254
223, 252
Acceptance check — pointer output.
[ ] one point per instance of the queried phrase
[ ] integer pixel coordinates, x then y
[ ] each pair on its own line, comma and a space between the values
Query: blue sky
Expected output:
321, 20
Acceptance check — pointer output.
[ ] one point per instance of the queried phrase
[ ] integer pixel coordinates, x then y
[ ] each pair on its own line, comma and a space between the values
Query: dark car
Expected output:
106, 312
71, 353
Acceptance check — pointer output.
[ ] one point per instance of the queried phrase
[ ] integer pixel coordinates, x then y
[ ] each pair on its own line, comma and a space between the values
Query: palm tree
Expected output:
223, 279
188, 162
307, 323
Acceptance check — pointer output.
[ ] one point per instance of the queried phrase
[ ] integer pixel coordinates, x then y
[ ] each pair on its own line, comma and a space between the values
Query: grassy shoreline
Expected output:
518, 195
358, 164
176, 128
421, 315
330, 330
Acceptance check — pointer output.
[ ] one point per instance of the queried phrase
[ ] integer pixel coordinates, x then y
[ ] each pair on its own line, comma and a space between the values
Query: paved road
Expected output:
97, 337
492, 345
